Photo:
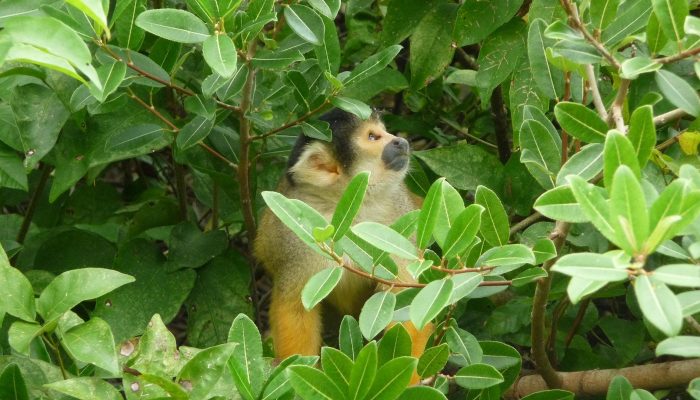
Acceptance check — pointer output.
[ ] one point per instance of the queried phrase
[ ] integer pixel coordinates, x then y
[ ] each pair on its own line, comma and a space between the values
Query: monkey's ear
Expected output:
316, 166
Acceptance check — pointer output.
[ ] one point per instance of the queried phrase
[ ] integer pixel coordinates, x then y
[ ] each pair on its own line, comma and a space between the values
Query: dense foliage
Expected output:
555, 143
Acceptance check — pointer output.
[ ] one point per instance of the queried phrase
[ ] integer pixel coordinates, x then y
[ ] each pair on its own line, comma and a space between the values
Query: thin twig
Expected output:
576, 22
31, 207
527, 221
678, 57
245, 138
616, 108
461, 270
293, 123
577, 322
669, 116
500, 119
466, 133
595, 92
539, 308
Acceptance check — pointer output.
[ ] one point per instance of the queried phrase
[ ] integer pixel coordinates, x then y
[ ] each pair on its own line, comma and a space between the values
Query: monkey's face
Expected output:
380, 152
356, 146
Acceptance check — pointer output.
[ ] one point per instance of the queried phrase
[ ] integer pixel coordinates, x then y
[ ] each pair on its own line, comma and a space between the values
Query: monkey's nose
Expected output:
401, 144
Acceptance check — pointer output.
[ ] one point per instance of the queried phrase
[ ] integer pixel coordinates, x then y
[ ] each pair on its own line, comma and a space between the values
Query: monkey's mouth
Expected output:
398, 162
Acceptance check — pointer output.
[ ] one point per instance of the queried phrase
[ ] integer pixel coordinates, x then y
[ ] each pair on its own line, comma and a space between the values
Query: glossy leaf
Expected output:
349, 204
618, 151
377, 313
430, 301
591, 266
353, 106
642, 133
587, 164
363, 372
92, 342
385, 238
465, 345
350, 337
541, 152
392, 378
581, 122
220, 53
18, 299
433, 360
560, 204
320, 286
463, 231
305, 22
678, 92
548, 79
494, 220
464, 284
681, 346
633, 67
372, 65
427, 218
311, 384
671, 15
246, 364
86, 388
658, 304
478, 376
628, 211
176, 25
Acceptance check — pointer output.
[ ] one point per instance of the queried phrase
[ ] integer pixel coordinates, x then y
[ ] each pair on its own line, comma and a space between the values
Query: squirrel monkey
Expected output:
317, 173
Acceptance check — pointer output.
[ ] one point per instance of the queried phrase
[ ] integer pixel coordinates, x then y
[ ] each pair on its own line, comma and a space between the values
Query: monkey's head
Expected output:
356, 146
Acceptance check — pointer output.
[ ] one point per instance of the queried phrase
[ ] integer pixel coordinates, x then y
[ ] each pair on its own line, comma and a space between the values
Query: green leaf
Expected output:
671, 15
194, 132
18, 298
633, 67
392, 378
296, 219
395, 343
350, 337
377, 313
508, 254
642, 133
656, 40
311, 384
157, 350
465, 166
628, 211
427, 218
337, 365
422, 393
553, 394
641, 394
317, 130
684, 275
176, 25
353, 106
592, 266
476, 20
587, 163
690, 302
110, 76
594, 206
57, 38
431, 45
12, 384
541, 152
93, 9
560, 204
134, 138
618, 151
86, 388
619, 389
385, 238
544, 250
463, 231
528, 276
220, 53
75, 286
465, 345
305, 22
464, 284
658, 304
524, 93
402, 18
494, 221
25, 53
328, 53
363, 372
478, 376
246, 364
576, 52
631, 18
129, 35
349, 204
205, 369
679, 92
500, 54
580, 287
603, 13
430, 301
372, 65
581, 122
320, 285
681, 346
433, 360
92, 342
549, 80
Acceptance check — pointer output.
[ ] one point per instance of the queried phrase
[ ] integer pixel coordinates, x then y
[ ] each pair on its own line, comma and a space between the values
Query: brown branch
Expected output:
461, 270
576, 22
595, 382
33, 201
552, 340
500, 118
539, 308
245, 138
176, 130
595, 92
577, 321
678, 57
669, 116
293, 123
529, 220
616, 108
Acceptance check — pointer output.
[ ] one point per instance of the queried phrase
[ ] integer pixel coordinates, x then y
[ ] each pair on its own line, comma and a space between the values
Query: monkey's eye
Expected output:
373, 136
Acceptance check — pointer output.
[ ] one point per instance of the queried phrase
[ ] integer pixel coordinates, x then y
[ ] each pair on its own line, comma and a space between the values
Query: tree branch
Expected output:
539, 308
595, 92
616, 109
293, 123
576, 22
669, 116
31, 207
500, 118
678, 57
245, 137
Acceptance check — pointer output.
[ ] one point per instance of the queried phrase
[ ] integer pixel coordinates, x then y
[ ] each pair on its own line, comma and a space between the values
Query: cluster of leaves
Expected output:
128, 128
